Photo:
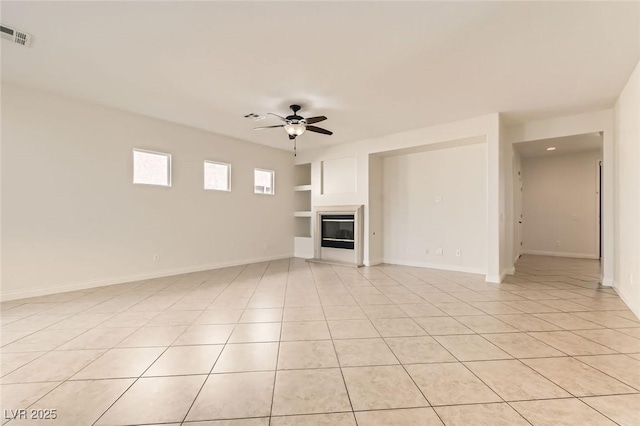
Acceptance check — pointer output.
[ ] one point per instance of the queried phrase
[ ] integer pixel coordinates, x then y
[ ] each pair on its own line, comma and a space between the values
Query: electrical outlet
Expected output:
458, 253
438, 198
557, 243
156, 258
266, 246
439, 252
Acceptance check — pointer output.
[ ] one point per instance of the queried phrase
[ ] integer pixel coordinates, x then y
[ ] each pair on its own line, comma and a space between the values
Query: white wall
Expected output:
72, 217
484, 129
560, 205
339, 176
516, 183
627, 194
376, 211
437, 199
506, 203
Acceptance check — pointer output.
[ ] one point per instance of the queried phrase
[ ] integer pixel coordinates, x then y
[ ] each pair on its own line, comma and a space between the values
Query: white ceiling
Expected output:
563, 145
373, 68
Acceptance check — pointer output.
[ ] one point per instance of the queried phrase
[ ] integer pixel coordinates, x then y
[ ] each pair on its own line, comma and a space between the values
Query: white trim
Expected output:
357, 256
204, 174
373, 262
606, 282
163, 154
495, 279
561, 254
273, 181
85, 285
454, 268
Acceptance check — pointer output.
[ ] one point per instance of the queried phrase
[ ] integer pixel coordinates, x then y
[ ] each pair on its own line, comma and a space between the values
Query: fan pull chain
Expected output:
295, 152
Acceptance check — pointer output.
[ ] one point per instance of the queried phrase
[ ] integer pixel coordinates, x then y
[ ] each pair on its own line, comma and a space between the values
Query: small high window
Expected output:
217, 176
263, 181
151, 168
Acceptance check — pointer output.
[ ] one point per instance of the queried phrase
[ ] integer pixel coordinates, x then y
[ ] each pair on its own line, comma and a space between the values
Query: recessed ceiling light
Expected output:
551, 148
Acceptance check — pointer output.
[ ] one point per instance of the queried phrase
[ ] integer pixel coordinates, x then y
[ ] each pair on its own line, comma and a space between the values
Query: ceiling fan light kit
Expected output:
295, 129
296, 125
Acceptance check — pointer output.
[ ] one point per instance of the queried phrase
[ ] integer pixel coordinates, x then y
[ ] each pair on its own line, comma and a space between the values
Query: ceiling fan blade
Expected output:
267, 127
313, 120
319, 130
279, 116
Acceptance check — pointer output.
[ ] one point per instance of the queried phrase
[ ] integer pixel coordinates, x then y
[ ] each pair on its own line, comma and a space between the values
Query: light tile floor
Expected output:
292, 343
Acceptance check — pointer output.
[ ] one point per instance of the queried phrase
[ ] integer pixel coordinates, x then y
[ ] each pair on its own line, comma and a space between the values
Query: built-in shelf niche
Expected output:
302, 175
302, 200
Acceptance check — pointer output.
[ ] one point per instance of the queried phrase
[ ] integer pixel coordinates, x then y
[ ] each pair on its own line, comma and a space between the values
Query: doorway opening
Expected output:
558, 201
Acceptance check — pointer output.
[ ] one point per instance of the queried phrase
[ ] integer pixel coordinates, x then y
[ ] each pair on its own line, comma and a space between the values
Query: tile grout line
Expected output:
418, 387
352, 288
219, 354
275, 373
344, 381
133, 383
407, 372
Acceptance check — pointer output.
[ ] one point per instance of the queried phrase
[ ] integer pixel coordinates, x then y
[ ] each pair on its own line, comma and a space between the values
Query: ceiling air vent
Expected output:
19, 37
254, 116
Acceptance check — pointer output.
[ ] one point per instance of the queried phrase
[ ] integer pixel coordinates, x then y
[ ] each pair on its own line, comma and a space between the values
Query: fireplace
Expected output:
338, 235
338, 231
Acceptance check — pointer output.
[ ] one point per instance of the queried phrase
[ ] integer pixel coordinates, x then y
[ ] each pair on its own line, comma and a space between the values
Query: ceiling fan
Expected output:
296, 125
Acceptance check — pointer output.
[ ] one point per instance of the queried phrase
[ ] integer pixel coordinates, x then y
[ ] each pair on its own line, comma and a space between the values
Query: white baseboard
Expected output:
561, 254
454, 268
627, 300
606, 282
495, 279
101, 282
373, 262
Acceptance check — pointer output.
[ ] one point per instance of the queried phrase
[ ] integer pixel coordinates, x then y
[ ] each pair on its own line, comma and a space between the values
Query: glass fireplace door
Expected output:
338, 231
